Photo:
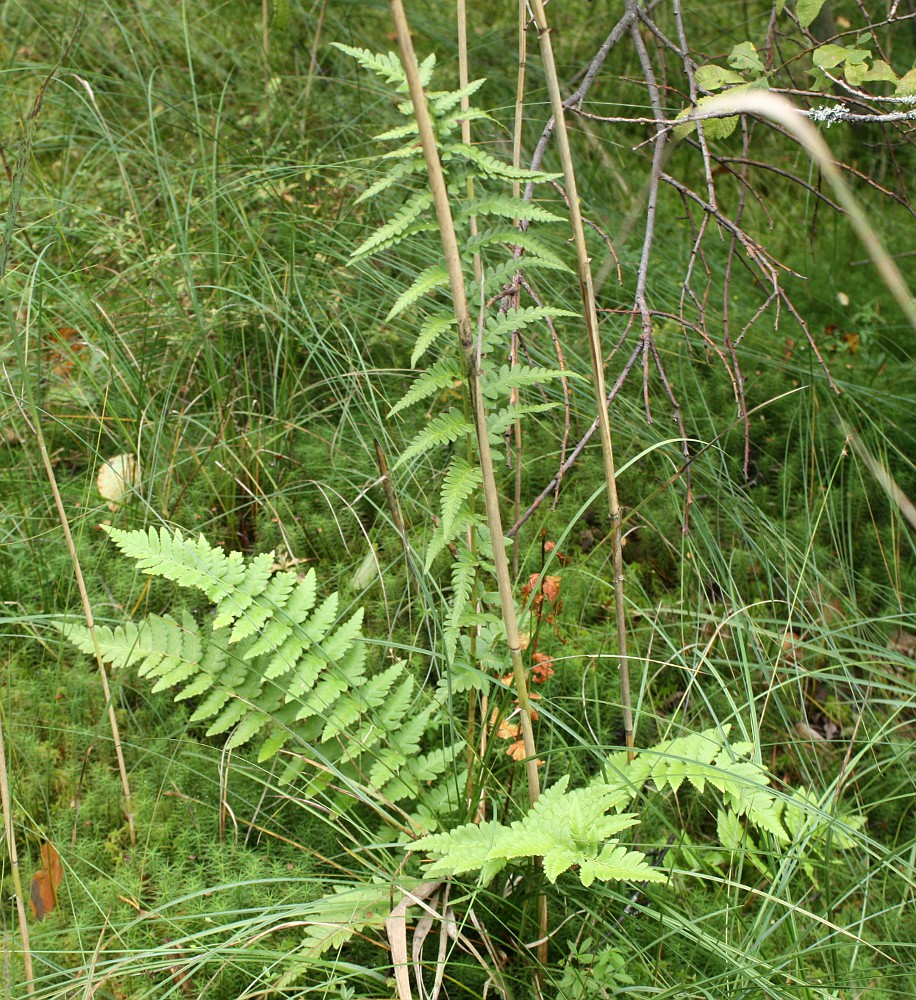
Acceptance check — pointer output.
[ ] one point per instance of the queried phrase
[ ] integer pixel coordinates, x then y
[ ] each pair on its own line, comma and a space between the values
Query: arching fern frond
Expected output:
431, 277
396, 227
460, 482
445, 429
431, 329
441, 375
506, 207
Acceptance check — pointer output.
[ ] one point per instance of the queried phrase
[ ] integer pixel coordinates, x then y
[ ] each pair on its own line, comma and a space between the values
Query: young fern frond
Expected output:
433, 277
506, 207
387, 65
574, 828
442, 375
564, 828
459, 483
445, 429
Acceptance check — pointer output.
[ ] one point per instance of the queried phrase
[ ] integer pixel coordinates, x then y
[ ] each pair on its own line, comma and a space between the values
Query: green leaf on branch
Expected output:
744, 57
829, 56
712, 77
906, 87
880, 72
807, 11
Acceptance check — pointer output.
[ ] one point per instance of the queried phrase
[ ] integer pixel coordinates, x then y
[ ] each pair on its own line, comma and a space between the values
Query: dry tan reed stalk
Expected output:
469, 363
6, 802
594, 338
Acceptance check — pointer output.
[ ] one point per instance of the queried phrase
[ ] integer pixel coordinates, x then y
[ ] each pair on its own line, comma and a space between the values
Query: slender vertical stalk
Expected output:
6, 803
463, 81
516, 193
591, 322
470, 371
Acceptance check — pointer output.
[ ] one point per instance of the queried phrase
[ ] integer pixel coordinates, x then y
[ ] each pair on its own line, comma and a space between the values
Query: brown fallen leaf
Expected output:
45, 882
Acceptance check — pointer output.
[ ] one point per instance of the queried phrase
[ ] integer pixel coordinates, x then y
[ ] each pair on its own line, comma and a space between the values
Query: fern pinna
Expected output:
492, 243
274, 662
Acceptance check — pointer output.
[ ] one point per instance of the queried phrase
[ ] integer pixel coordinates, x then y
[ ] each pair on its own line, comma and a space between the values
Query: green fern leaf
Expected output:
400, 132
615, 862
428, 279
247, 729
499, 423
273, 745
396, 228
507, 207
447, 123
465, 849
387, 65
243, 593
492, 166
430, 330
393, 175
506, 379
445, 429
441, 102
443, 375
212, 704
190, 563
460, 482
499, 326
507, 237
439, 540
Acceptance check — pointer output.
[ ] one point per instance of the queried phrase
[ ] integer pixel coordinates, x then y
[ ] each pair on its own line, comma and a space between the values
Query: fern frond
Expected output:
499, 423
386, 65
501, 325
509, 236
443, 375
506, 207
431, 329
396, 227
438, 541
442, 101
492, 166
502, 381
448, 123
464, 571
431, 277
461, 480
192, 563
400, 132
395, 173
445, 429
564, 828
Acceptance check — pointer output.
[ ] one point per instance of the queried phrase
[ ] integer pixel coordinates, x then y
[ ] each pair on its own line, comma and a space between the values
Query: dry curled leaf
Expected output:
43, 891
